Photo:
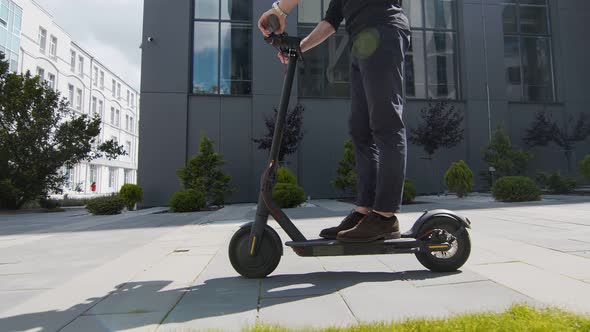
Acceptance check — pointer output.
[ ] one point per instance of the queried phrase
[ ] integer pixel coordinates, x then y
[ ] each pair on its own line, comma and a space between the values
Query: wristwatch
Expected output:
278, 9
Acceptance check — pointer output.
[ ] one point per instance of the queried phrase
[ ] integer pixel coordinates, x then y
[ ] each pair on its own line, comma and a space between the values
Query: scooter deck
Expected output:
322, 247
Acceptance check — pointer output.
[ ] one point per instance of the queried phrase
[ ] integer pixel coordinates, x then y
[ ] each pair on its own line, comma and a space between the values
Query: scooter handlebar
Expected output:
289, 46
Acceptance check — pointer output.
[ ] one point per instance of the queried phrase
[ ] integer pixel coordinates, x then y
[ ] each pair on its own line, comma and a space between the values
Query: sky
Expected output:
109, 29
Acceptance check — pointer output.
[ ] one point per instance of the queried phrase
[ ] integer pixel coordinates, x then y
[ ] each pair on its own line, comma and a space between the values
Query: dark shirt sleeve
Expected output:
334, 14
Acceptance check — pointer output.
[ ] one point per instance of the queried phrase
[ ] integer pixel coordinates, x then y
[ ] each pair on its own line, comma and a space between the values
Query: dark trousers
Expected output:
376, 125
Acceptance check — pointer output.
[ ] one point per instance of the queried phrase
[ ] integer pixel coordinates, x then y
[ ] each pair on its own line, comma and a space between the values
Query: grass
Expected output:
518, 318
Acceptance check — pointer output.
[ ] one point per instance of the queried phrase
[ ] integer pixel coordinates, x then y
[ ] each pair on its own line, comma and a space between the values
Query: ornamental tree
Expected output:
39, 135
440, 127
292, 135
544, 130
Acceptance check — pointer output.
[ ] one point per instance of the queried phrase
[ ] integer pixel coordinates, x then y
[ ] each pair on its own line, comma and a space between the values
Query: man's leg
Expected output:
365, 156
383, 81
364, 147
382, 75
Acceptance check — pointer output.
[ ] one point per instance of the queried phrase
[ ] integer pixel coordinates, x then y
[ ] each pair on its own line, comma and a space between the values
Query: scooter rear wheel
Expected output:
455, 257
261, 265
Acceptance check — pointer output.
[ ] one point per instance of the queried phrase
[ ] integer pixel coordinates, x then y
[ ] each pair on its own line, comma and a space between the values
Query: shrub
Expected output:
585, 167
203, 173
73, 202
131, 194
555, 183
107, 205
284, 175
459, 178
516, 189
345, 174
409, 192
506, 159
188, 200
49, 203
288, 195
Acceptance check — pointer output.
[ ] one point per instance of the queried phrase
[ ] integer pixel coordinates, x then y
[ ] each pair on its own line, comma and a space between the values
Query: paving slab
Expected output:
138, 322
320, 311
131, 275
542, 285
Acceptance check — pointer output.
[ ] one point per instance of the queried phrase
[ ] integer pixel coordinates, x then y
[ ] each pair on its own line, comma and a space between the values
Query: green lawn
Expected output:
517, 318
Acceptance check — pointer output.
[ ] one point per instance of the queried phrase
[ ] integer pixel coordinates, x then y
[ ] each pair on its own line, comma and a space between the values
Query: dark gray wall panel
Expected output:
204, 118
162, 147
165, 61
326, 129
236, 145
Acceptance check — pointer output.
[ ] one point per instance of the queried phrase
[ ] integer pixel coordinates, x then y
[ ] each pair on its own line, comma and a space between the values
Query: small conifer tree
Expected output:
345, 174
459, 178
203, 173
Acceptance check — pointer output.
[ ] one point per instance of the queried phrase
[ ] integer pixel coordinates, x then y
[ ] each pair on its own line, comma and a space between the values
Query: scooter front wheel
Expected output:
455, 257
261, 265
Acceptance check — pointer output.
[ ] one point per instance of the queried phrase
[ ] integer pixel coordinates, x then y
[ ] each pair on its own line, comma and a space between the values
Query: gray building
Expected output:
206, 70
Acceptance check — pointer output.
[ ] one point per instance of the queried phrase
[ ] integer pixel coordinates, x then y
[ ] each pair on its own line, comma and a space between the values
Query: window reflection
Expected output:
206, 49
222, 61
527, 51
431, 64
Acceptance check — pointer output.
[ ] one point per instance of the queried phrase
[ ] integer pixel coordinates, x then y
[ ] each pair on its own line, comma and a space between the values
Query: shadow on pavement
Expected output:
214, 298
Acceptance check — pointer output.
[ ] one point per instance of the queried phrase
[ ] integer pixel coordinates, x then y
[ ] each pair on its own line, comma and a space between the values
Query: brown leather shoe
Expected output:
372, 228
349, 222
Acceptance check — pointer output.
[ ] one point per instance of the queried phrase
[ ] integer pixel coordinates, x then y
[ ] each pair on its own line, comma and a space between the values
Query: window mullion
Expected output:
425, 52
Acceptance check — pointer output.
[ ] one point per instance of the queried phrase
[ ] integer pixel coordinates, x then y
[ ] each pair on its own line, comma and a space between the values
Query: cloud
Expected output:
109, 29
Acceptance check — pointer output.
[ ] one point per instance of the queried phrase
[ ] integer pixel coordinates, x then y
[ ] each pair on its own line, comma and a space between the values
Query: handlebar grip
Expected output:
273, 20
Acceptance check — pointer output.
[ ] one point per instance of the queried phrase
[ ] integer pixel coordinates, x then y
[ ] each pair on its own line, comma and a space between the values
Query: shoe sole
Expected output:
387, 236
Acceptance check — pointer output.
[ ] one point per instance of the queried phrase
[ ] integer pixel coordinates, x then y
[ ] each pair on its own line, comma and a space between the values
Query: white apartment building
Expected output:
47, 50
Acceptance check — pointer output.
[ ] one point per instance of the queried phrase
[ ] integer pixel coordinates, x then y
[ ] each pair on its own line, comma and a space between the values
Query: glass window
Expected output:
81, 66
440, 55
112, 115
100, 108
131, 125
95, 76
102, 80
42, 40
527, 51
51, 80
72, 61
118, 118
114, 89
112, 177
79, 99
70, 94
92, 174
431, 69
222, 47
93, 105
41, 74
326, 70
53, 47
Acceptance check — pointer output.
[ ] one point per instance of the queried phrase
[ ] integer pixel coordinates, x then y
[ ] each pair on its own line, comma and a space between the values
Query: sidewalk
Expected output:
182, 279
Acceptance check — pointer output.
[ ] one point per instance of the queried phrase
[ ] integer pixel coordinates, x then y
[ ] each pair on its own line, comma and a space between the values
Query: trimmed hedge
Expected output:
288, 195
585, 167
516, 189
188, 200
556, 183
131, 194
459, 178
49, 203
284, 175
409, 192
107, 205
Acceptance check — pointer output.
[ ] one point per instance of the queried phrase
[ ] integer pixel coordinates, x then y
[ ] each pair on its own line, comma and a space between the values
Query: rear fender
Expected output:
434, 216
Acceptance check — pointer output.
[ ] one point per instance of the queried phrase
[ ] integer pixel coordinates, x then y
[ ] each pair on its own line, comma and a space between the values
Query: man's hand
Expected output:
264, 25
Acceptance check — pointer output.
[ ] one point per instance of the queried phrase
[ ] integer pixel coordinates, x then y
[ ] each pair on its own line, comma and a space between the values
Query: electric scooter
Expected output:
439, 238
